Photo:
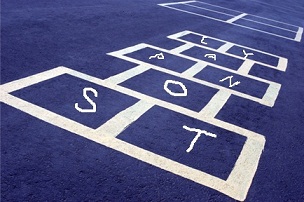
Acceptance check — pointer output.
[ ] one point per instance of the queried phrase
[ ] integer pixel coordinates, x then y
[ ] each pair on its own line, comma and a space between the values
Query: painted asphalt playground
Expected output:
188, 101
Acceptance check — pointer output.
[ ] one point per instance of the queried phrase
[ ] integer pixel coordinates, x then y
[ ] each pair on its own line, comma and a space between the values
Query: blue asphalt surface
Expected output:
41, 162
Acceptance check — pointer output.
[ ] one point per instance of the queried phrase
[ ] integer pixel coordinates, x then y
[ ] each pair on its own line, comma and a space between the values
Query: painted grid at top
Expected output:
241, 19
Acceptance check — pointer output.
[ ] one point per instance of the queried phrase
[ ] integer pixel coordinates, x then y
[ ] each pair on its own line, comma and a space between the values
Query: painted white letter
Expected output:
84, 93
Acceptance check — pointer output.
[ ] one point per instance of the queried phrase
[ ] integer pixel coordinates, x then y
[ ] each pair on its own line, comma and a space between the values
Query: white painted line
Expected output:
234, 128
246, 166
282, 64
180, 34
219, 7
129, 49
199, 66
299, 34
246, 67
262, 23
271, 94
236, 18
224, 48
191, 13
209, 10
181, 48
179, 2
123, 119
123, 76
274, 20
215, 104
33, 79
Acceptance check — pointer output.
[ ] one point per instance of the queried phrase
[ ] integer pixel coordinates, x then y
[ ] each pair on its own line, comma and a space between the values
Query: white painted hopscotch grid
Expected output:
239, 180
245, 20
241, 176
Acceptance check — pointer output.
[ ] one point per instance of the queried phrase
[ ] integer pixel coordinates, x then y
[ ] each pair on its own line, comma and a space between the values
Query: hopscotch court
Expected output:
191, 71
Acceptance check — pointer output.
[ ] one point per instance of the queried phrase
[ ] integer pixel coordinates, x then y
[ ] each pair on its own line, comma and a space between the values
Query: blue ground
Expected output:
41, 162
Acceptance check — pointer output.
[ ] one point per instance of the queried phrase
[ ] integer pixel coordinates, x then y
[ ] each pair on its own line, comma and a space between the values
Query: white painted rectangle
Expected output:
299, 34
236, 18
